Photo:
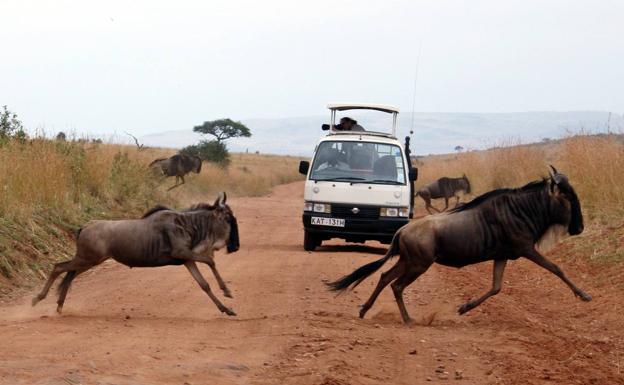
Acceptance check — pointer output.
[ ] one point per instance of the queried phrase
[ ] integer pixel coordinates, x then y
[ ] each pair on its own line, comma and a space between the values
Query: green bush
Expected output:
10, 126
209, 151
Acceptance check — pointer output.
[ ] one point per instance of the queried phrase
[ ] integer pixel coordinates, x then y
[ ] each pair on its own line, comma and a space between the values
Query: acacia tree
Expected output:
216, 150
223, 129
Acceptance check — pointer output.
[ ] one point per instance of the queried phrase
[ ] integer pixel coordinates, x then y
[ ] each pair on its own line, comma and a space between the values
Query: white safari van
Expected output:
359, 185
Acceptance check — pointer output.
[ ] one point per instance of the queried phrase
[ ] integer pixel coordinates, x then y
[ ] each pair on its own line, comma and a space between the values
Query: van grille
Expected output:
345, 211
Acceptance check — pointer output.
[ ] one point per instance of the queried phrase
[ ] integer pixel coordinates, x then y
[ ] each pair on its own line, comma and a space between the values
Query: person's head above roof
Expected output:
346, 123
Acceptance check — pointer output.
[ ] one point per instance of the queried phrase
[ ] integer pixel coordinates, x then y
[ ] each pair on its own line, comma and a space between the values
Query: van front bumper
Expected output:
355, 230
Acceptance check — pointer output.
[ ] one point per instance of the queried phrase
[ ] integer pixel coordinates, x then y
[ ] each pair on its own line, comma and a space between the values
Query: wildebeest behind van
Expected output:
444, 188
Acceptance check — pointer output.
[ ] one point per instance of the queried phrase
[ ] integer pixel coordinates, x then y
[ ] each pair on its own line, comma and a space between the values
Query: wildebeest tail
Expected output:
365, 271
156, 161
78, 232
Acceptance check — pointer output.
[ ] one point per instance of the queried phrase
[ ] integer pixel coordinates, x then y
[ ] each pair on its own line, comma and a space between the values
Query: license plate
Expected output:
335, 222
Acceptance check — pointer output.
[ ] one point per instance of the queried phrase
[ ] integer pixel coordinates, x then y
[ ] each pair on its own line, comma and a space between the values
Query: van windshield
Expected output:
358, 162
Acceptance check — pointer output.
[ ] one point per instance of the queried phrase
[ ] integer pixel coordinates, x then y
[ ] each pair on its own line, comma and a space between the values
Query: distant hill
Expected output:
434, 133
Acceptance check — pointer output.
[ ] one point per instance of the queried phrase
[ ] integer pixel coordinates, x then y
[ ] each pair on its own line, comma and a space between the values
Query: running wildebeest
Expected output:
499, 225
178, 166
444, 188
162, 237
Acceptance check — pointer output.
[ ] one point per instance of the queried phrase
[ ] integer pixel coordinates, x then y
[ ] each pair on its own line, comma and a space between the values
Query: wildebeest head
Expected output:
222, 209
566, 203
191, 163
197, 164
465, 178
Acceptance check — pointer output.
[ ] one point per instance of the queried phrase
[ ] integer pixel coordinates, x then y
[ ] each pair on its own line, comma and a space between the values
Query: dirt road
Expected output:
155, 326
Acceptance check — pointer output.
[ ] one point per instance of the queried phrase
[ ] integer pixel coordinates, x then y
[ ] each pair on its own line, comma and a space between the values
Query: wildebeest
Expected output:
178, 166
499, 225
444, 188
162, 237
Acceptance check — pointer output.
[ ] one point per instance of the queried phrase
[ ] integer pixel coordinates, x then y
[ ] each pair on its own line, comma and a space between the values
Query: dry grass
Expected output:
49, 188
594, 164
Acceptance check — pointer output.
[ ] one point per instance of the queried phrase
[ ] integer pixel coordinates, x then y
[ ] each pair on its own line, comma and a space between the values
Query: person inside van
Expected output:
348, 124
330, 158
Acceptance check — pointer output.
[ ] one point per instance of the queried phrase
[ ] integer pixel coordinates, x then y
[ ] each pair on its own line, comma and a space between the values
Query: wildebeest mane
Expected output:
201, 206
155, 209
195, 207
197, 225
531, 186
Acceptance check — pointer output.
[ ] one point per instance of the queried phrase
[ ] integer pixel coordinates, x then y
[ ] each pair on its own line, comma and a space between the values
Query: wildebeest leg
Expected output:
499, 269
410, 275
456, 200
446, 199
209, 260
192, 268
536, 257
59, 269
64, 288
384, 280
429, 206
222, 285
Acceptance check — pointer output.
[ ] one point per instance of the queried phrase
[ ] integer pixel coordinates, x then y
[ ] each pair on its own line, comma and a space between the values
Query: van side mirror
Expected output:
325, 127
304, 166
413, 173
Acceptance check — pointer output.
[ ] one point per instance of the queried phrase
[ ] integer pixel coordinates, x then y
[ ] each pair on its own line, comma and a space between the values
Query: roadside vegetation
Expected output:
49, 188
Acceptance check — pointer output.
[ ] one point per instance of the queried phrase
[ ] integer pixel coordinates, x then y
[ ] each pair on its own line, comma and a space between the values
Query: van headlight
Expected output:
394, 212
317, 207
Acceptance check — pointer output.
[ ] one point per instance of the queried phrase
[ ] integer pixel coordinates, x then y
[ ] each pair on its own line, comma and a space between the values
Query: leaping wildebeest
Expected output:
162, 237
499, 225
444, 188
178, 165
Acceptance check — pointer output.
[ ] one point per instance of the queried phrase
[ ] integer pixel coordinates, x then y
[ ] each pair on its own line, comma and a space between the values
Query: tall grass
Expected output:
594, 164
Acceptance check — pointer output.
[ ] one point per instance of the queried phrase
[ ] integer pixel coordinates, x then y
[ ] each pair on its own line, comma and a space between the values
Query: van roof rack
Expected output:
363, 133
333, 107
363, 106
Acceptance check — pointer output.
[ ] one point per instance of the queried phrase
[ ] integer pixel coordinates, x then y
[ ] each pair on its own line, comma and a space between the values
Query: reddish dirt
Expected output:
155, 326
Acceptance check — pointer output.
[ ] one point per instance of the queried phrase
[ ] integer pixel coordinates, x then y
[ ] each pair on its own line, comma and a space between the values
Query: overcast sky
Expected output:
150, 66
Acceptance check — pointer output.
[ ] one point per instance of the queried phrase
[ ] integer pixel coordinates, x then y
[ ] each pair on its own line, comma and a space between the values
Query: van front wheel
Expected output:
310, 242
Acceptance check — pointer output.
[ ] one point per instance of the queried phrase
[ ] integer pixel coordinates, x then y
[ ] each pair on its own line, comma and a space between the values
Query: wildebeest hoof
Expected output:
585, 297
228, 311
35, 301
59, 309
227, 293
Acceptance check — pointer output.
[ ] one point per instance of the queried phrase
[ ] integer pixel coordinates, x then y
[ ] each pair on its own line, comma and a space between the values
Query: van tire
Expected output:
310, 242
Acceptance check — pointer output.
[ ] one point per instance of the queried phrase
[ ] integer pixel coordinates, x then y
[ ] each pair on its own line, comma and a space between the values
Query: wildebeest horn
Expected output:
224, 198
557, 177
218, 201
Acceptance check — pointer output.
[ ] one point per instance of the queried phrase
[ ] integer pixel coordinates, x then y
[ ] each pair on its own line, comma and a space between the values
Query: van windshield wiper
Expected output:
340, 178
380, 181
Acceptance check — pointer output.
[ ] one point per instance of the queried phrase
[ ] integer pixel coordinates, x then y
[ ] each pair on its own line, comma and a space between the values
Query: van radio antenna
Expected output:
415, 83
